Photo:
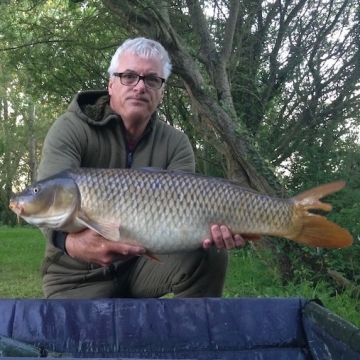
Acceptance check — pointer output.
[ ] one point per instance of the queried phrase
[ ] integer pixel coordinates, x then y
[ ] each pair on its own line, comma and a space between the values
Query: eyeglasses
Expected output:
131, 79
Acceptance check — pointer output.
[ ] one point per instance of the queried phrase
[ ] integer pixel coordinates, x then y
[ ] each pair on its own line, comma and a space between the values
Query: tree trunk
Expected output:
30, 122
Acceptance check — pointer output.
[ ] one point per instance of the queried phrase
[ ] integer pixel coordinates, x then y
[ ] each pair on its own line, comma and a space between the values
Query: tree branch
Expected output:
230, 28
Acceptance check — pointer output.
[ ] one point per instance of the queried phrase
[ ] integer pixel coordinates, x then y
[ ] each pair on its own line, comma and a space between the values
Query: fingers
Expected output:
207, 243
239, 241
116, 251
90, 247
223, 238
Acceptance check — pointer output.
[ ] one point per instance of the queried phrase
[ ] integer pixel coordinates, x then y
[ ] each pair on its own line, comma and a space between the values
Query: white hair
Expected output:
144, 48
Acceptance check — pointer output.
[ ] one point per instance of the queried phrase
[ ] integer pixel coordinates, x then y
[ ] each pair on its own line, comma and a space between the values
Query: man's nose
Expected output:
140, 85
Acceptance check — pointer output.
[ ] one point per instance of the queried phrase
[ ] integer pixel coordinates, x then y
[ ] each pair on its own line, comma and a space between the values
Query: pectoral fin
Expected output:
108, 230
151, 256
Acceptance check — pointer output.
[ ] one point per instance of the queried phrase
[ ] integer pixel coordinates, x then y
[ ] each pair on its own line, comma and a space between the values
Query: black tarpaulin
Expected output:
177, 329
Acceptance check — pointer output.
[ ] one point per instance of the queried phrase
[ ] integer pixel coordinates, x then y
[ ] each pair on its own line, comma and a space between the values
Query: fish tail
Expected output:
317, 230
320, 232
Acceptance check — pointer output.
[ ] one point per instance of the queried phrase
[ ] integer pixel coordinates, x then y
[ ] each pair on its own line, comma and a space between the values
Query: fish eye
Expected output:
36, 189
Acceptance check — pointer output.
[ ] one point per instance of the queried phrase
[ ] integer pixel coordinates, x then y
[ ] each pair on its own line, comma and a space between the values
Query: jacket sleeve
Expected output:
62, 150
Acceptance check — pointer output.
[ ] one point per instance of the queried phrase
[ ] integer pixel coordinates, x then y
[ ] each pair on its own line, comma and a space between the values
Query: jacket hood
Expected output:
93, 107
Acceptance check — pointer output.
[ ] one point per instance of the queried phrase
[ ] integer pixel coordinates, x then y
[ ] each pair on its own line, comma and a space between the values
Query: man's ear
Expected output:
110, 85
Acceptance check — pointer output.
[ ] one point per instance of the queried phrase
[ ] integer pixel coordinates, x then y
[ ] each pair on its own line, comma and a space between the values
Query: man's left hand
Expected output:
223, 238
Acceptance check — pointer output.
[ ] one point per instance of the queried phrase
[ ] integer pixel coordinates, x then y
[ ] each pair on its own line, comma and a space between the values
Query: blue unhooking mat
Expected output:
207, 328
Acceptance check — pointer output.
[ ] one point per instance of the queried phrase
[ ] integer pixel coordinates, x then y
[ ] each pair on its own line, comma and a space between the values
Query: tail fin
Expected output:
316, 230
320, 232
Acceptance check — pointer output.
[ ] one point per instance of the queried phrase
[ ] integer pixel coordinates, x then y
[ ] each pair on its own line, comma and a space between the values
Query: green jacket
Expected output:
90, 134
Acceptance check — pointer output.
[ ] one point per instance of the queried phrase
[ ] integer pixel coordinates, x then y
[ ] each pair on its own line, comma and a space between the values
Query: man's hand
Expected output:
223, 238
90, 247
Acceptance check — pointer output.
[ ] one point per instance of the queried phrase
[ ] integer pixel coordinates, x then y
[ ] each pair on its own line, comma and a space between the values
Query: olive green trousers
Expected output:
199, 273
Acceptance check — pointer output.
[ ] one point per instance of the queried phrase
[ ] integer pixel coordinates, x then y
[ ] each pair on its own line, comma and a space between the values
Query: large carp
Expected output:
168, 212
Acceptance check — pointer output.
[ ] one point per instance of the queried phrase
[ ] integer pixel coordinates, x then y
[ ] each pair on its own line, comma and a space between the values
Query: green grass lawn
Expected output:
22, 251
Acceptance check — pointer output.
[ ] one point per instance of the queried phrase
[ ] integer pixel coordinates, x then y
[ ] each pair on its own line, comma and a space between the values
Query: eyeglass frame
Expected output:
140, 77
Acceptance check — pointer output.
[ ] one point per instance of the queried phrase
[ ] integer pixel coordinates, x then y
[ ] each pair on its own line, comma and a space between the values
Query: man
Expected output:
119, 128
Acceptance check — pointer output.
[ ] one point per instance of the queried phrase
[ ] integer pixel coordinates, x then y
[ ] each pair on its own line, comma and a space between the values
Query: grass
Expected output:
22, 251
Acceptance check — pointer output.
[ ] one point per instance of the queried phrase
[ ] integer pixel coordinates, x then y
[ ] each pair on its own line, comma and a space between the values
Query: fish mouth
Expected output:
17, 209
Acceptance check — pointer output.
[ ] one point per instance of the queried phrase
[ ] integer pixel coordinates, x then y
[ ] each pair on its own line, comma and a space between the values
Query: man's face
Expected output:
135, 103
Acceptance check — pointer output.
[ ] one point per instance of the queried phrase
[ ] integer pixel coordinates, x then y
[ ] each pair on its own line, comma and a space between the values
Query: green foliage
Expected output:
50, 46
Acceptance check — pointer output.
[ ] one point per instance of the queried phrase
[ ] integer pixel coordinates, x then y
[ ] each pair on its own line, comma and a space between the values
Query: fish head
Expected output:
50, 202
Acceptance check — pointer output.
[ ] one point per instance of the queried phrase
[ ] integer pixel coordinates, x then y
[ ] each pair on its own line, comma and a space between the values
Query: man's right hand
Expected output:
90, 247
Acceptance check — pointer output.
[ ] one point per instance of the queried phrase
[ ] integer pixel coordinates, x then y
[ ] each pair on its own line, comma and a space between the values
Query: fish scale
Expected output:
168, 212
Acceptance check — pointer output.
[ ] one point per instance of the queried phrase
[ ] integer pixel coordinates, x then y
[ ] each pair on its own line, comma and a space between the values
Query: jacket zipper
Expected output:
129, 154
129, 159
